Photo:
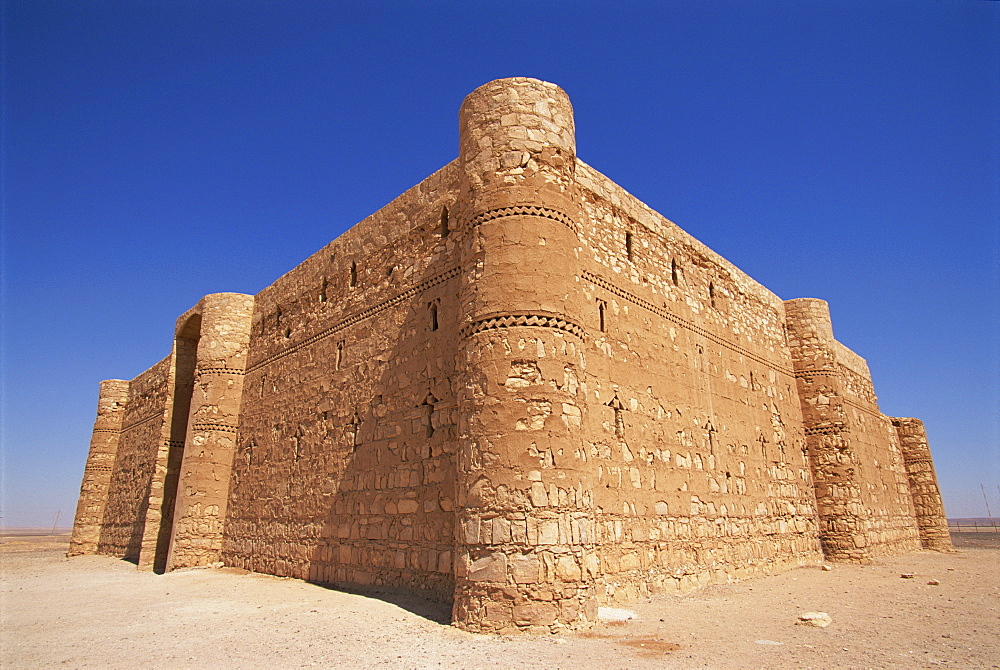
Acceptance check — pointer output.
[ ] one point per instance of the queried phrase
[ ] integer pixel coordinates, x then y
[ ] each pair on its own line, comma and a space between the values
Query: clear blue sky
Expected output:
154, 152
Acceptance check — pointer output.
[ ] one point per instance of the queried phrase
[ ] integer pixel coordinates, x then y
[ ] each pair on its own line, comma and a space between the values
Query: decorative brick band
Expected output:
514, 320
98, 468
174, 443
220, 371
825, 430
824, 372
213, 426
683, 323
525, 210
107, 430
145, 419
872, 410
358, 317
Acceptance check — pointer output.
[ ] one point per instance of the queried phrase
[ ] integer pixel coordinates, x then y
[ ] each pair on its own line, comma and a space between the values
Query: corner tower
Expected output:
100, 462
524, 531
862, 491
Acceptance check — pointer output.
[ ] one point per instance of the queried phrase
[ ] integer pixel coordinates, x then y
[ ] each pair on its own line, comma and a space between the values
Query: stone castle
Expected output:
515, 388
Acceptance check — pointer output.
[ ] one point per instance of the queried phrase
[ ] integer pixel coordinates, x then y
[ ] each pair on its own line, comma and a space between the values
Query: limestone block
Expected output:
489, 568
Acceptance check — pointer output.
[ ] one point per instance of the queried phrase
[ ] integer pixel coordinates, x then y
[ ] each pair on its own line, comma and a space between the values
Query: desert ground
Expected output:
99, 612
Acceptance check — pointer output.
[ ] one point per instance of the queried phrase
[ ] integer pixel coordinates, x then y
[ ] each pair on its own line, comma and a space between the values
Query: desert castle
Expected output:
515, 388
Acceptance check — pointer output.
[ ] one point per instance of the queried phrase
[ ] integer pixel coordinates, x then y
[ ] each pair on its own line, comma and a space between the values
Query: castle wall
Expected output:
140, 438
931, 519
515, 387
694, 424
100, 464
344, 471
632, 423
862, 491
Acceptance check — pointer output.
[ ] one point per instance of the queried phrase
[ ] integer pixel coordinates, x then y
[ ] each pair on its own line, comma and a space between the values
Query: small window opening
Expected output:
674, 275
628, 245
434, 315
711, 294
340, 355
444, 222
288, 333
322, 290
354, 274
601, 307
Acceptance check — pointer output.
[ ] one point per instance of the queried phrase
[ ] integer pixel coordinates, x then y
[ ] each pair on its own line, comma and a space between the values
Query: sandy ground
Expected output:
98, 612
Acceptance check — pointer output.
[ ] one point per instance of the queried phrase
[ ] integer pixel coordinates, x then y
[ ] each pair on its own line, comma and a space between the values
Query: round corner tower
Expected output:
524, 530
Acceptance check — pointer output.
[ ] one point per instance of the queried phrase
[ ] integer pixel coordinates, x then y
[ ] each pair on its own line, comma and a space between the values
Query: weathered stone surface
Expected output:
514, 387
815, 619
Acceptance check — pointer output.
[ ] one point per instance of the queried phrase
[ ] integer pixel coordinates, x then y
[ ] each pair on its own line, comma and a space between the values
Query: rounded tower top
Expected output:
809, 314
517, 131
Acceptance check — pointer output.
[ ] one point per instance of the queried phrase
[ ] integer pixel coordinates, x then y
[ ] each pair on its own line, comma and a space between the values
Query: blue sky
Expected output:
154, 152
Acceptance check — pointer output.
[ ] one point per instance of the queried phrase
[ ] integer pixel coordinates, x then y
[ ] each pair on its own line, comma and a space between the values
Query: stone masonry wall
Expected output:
135, 463
219, 329
514, 387
100, 464
931, 519
525, 514
344, 472
694, 422
862, 491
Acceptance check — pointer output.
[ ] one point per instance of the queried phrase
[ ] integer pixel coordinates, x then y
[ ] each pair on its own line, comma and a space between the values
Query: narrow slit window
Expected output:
322, 290
711, 293
444, 222
433, 309
340, 355
674, 273
601, 307
628, 245
353, 279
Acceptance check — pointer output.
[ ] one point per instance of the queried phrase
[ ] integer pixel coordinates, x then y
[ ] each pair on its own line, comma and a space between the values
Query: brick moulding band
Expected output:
524, 210
357, 317
518, 320
157, 415
213, 426
684, 323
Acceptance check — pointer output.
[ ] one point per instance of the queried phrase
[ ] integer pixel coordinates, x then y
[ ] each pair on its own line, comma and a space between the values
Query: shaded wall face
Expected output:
163, 492
693, 423
140, 439
345, 468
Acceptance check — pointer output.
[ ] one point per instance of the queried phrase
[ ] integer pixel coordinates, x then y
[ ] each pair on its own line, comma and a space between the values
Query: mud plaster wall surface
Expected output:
344, 471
